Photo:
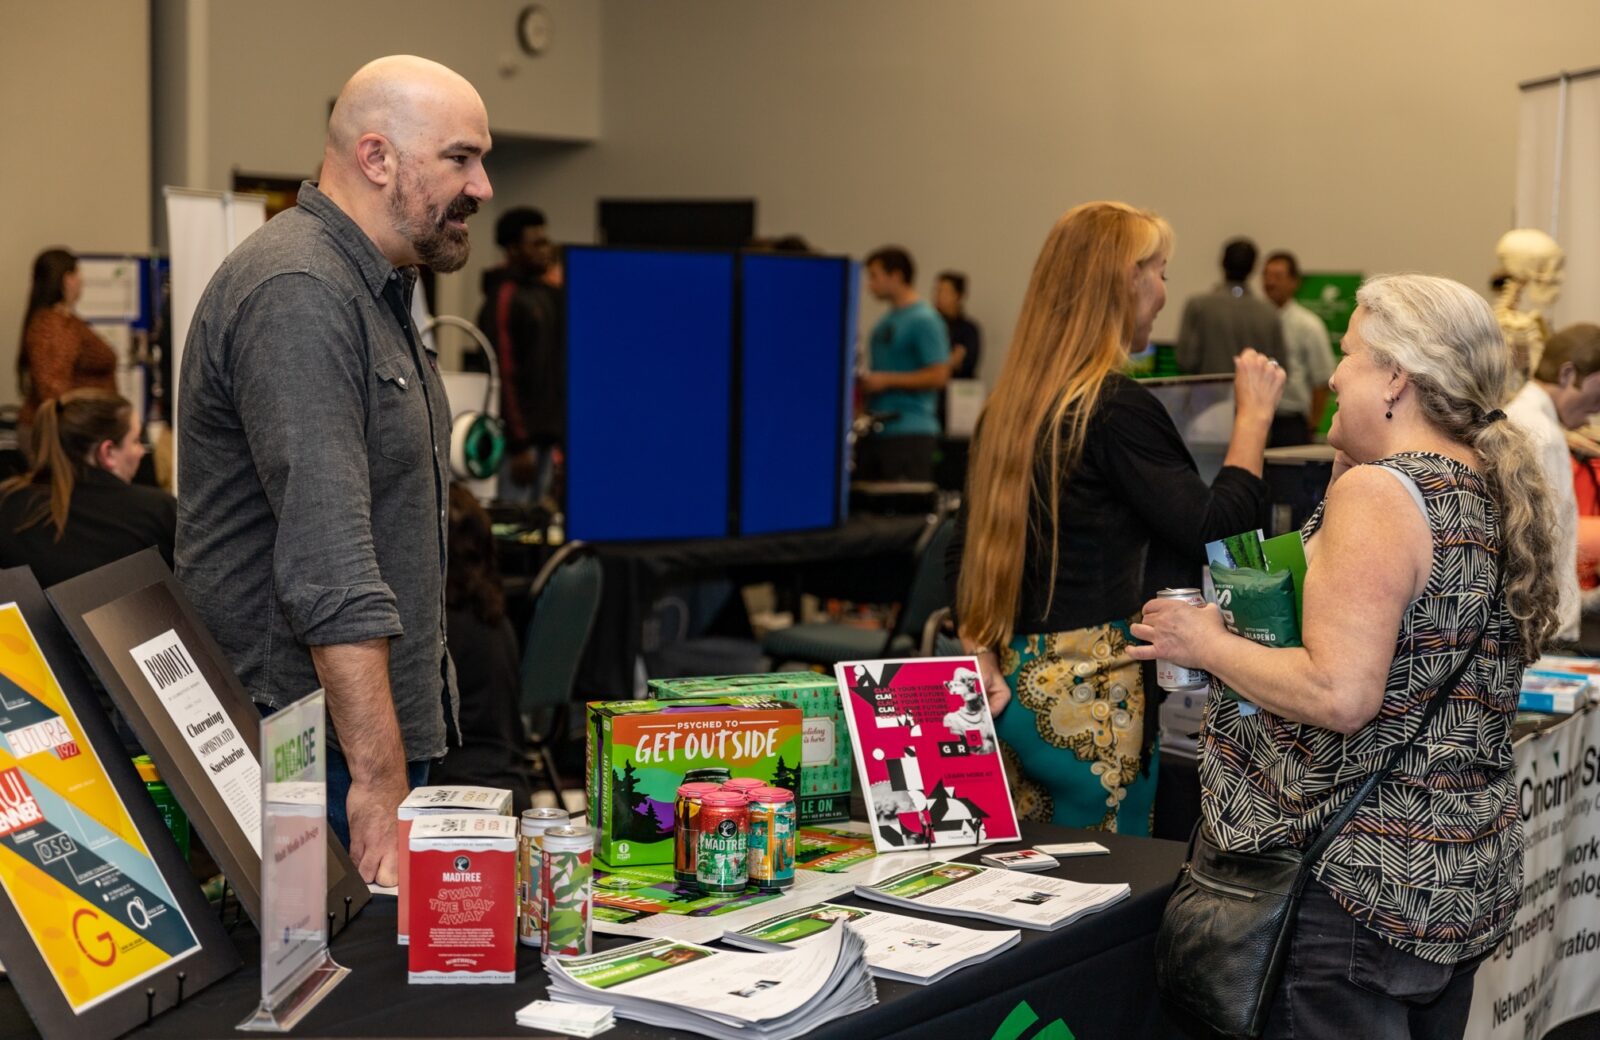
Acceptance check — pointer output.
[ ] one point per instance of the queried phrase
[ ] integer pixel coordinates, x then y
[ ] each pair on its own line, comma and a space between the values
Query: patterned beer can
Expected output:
1169, 674
717, 775
567, 880
722, 853
686, 814
534, 823
773, 824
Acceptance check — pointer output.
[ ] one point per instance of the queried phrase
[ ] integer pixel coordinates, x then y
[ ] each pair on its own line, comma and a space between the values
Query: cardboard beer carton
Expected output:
440, 801
826, 765
463, 899
639, 752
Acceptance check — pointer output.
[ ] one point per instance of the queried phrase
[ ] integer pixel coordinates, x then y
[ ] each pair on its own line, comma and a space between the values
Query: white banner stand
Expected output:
202, 229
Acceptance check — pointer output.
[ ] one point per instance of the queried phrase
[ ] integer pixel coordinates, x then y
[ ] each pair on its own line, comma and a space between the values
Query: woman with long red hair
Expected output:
1082, 499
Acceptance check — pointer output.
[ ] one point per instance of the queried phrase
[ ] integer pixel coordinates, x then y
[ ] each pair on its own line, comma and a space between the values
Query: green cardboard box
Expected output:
826, 762
638, 752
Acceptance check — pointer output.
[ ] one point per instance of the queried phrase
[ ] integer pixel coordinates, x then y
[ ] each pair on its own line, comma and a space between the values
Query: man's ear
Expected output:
1567, 376
375, 158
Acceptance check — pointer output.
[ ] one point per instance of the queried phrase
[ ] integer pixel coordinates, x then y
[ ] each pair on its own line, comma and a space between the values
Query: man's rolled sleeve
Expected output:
301, 390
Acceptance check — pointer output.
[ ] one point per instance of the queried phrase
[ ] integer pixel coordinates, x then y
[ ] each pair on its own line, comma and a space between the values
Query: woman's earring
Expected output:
1390, 413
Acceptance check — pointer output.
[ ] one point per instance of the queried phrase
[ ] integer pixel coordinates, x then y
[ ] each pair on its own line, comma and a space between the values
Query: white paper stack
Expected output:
990, 894
572, 1019
734, 996
906, 949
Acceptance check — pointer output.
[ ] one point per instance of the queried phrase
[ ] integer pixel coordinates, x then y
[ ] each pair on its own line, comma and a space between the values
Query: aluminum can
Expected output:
567, 881
722, 852
1169, 674
686, 815
773, 824
743, 784
534, 822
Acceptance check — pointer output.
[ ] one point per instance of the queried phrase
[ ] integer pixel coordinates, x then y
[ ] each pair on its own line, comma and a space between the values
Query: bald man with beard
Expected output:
314, 441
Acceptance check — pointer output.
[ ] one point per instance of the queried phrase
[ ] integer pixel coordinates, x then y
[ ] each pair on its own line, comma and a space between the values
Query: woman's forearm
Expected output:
1288, 682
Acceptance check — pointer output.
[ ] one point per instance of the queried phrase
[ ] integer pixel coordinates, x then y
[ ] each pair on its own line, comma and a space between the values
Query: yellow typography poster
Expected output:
71, 861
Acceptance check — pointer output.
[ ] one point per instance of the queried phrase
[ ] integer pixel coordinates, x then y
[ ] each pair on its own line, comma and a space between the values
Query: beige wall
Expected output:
1365, 135
247, 87
75, 104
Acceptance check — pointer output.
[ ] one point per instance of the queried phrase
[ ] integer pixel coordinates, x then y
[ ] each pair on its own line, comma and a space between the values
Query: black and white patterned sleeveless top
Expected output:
1432, 860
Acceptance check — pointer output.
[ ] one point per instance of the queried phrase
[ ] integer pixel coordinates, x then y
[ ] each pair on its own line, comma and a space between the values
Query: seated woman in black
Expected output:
75, 509
484, 649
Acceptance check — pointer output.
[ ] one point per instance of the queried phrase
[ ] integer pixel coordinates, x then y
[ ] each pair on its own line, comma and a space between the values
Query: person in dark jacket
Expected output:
484, 648
77, 509
521, 316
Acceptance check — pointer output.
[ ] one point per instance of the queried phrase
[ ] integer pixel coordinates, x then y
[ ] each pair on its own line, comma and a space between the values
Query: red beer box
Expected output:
440, 801
463, 898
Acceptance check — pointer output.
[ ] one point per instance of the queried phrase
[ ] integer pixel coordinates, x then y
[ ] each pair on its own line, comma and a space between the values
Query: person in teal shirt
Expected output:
910, 355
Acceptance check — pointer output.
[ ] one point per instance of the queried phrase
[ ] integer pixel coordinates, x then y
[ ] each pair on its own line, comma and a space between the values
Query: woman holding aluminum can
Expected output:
1081, 500
1431, 582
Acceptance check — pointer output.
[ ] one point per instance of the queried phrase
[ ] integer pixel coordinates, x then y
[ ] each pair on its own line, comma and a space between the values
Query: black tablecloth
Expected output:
636, 573
1095, 975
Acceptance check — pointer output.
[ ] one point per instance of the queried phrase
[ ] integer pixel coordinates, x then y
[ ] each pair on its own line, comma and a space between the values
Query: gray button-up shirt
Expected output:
313, 444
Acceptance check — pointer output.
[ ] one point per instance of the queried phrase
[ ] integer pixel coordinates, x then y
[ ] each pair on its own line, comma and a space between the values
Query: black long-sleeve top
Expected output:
1135, 517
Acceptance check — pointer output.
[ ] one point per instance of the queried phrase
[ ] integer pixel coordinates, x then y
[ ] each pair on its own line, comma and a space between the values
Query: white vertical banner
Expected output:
1558, 166
1546, 970
202, 229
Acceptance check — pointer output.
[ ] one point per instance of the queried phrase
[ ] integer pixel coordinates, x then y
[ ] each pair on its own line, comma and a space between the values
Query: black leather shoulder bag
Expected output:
1226, 929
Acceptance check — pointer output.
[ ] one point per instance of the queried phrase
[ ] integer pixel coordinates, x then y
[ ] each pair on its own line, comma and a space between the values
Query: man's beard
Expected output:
437, 244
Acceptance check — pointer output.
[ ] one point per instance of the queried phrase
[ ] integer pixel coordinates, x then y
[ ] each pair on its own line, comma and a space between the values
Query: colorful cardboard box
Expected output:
826, 766
463, 899
638, 753
439, 801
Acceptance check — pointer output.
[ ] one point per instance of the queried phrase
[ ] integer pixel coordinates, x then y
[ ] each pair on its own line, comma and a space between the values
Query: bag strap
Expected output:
1441, 693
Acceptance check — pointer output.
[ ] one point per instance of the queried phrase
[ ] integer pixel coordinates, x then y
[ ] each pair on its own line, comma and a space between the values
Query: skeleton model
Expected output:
1533, 265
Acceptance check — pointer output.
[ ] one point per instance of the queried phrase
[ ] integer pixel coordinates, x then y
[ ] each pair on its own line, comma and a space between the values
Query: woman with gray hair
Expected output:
1430, 578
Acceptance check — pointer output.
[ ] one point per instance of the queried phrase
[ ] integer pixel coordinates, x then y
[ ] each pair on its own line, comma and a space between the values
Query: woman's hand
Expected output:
994, 682
1257, 386
1176, 631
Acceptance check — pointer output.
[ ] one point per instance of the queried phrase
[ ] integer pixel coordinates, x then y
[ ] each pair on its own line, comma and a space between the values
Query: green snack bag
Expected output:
1257, 605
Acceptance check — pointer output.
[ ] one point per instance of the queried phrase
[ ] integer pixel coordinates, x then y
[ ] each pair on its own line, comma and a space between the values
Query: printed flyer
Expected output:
645, 902
907, 949
994, 894
831, 850
926, 749
72, 862
736, 994
229, 764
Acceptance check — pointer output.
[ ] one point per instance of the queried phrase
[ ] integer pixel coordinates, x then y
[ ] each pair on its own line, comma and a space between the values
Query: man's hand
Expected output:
525, 467
372, 807
872, 383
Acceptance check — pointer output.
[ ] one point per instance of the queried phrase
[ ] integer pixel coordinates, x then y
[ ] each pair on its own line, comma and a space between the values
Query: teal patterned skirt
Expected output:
1072, 732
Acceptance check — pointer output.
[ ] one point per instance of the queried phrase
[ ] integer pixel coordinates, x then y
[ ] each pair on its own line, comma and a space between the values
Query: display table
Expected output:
1095, 975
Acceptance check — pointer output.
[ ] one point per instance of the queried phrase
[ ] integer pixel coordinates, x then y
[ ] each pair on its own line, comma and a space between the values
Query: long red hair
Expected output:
1077, 321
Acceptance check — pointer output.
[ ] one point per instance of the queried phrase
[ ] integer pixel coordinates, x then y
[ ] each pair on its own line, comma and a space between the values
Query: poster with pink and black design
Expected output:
926, 750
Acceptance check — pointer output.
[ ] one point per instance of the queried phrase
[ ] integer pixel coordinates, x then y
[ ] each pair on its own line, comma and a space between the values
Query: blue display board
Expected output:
795, 372
649, 393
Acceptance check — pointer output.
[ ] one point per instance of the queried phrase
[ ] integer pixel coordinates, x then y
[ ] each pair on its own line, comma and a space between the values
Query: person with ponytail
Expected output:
1432, 573
1082, 500
76, 507
58, 350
